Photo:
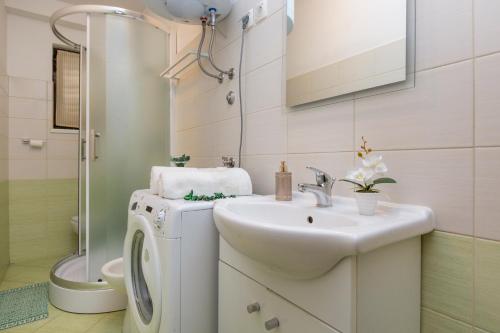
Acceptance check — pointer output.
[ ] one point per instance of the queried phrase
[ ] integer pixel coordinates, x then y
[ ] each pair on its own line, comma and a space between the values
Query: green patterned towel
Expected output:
23, 305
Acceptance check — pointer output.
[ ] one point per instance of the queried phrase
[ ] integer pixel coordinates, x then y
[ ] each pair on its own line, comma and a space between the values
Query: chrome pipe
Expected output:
219, 77
230, 72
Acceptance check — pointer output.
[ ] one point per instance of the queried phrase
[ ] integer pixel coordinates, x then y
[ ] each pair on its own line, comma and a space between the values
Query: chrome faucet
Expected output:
322, 190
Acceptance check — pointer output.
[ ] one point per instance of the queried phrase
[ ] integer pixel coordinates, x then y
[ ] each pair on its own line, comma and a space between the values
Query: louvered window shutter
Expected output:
67, 90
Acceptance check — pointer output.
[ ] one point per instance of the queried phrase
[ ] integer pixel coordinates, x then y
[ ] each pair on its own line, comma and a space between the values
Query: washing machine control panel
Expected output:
159, 219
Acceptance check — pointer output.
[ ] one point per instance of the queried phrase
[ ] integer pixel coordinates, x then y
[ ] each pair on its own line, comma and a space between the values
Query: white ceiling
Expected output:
137, 5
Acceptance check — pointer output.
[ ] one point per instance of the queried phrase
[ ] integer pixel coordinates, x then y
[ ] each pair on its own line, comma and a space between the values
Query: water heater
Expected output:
189, 11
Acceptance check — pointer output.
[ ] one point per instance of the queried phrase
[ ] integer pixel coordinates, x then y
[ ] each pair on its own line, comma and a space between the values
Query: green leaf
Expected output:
384, 180
352, 182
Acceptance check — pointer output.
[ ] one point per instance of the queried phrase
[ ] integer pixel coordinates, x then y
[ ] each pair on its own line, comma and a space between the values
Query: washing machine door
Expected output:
142, 275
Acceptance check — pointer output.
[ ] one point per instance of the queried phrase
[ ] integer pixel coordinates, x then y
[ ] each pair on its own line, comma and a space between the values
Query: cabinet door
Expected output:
291, 318
237, 291
235, 294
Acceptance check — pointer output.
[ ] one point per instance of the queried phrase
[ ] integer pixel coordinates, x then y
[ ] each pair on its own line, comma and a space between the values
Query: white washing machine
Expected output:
170, 258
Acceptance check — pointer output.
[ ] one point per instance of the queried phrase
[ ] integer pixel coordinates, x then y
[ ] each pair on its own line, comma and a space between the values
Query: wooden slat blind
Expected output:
67, 90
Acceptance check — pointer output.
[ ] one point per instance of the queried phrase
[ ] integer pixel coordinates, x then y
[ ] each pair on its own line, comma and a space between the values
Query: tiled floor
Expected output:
58, 321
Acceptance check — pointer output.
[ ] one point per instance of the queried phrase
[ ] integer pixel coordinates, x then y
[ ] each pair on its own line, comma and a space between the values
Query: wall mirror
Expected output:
337, 47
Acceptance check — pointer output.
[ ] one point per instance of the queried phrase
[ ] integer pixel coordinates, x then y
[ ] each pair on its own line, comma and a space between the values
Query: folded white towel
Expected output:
156, 171
175, 184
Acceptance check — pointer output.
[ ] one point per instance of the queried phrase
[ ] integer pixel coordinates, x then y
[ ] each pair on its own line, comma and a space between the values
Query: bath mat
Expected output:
23, 305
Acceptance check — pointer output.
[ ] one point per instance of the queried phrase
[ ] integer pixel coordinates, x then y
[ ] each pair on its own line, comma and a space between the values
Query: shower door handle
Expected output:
94, 136
83, 145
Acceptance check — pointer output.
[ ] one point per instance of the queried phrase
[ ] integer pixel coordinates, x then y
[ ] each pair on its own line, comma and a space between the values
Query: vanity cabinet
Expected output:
374, 292
246, 306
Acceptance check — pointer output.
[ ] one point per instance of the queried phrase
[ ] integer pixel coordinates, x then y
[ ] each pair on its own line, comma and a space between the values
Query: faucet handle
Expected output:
321, 176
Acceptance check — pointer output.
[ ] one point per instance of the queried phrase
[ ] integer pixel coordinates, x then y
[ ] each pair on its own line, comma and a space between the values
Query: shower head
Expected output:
244, 20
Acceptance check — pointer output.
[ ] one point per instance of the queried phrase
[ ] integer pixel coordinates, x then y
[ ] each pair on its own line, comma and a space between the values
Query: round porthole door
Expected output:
142, 275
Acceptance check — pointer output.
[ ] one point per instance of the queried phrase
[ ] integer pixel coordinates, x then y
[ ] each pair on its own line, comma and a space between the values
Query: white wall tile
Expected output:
335, 164
438, 112
327, 128
262, 171
62, 136
28, 128
229, 57
27, 88
29, 46
62, 150
225, 136
198, 142
4, 106
487, 184
487, 100
217, 107
4, 85
204, 162
487, 26
27, 169
444, 32
62, 169
264, 42
441, 179
20, 151
263, 87
27, 108
266, 132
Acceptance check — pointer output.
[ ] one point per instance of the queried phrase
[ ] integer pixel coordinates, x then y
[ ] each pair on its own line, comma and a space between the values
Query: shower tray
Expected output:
69, 290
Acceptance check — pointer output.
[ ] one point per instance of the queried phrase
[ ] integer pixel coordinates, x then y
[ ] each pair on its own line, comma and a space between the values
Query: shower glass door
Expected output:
128, 127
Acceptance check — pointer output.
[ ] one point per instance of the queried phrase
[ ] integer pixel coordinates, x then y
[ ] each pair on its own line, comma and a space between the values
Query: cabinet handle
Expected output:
254, 307
272, 324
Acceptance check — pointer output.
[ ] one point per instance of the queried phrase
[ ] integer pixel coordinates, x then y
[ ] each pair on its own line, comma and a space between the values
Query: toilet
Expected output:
112, 272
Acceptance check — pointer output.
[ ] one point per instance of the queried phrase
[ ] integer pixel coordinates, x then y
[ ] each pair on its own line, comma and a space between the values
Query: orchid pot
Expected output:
370, 174
367, 202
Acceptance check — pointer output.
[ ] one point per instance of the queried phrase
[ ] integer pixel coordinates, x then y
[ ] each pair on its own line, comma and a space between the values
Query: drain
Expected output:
310, 219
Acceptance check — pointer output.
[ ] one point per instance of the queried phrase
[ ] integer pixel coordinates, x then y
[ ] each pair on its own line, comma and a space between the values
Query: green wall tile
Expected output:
60, 208
433, 322
487, 300
28, 211
27, 189
40, 213
4, 228
63, 187
447, 275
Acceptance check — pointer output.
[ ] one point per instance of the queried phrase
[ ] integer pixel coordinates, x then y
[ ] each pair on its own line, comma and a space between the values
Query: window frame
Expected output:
55, 49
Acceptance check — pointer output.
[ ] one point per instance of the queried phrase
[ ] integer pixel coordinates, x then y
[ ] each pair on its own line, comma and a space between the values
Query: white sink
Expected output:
303, 241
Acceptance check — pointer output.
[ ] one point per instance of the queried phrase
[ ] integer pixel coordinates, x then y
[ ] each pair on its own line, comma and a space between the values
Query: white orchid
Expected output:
375, 163
370, 173
362, 176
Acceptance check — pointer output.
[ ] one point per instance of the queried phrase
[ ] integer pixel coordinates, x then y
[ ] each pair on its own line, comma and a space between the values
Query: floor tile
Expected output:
71, 323
112, 323
27, 274
58, 321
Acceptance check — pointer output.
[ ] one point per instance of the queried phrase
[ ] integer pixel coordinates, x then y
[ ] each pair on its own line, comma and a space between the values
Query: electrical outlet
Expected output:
260, 10
251, 18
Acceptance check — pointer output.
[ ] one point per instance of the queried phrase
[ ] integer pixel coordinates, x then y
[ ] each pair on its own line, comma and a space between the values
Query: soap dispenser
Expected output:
283, 183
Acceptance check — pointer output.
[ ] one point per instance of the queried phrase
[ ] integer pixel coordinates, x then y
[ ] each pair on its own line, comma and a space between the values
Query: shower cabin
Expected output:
124, 130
